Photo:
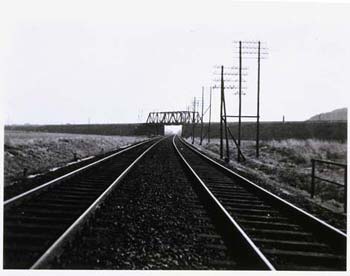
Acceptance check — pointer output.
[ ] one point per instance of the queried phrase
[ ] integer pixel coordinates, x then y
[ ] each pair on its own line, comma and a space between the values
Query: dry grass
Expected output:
38, 152
304, 150
288, 162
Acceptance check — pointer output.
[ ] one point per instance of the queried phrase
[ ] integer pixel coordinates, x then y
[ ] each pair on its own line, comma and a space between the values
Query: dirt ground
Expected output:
38, 152
284, 167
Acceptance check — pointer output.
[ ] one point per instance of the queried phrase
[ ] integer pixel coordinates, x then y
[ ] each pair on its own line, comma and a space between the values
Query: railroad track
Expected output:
269, 232
38, 222
152, 220
237, 225
27, 184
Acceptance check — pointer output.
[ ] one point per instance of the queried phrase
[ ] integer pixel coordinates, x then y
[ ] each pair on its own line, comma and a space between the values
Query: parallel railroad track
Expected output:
12, 191
152, 220
254, 229
270, 232
38, 221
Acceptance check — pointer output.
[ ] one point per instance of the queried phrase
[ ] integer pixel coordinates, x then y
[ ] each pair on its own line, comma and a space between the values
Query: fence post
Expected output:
345, 188
312, 178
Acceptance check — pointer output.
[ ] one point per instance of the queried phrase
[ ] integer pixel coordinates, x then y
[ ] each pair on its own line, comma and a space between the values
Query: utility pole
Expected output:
221, 103
209, 115
240, 101
258, 106
193, 120
223, 114
250, 50
202, 116
223, 120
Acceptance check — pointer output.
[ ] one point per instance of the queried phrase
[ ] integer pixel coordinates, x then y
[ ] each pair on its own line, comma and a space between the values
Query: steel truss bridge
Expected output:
173, 118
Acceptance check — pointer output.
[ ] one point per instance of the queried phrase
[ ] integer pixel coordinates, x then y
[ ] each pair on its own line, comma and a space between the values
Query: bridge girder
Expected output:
173, 117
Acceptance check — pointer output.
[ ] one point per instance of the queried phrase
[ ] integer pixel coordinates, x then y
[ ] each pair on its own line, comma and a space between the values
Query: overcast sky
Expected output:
115, 61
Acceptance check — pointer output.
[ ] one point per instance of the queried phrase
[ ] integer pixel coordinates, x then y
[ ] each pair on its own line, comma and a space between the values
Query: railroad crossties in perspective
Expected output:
211, 218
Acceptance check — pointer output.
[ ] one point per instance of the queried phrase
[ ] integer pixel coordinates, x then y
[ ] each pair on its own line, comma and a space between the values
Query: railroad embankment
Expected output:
284, 167
27, 154
96, 129
321, 130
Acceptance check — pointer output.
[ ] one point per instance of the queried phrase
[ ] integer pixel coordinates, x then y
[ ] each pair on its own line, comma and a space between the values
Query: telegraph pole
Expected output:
240, 100
223, 119
250, 50
258, 106
202, 115
221, 101
193, 120
225, 116
209, 115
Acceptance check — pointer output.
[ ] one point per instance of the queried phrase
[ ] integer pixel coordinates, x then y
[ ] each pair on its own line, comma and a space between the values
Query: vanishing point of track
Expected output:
39, 221
278, 234
260, 230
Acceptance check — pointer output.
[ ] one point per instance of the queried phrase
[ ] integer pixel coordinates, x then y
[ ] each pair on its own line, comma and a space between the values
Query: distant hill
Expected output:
340, 114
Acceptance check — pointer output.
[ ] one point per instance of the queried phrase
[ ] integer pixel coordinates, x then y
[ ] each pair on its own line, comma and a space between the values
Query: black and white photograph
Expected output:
155, 137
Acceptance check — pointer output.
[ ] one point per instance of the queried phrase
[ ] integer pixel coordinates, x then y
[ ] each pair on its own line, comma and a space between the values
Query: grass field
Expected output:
91, 129
39, 152
301, 130
286, 164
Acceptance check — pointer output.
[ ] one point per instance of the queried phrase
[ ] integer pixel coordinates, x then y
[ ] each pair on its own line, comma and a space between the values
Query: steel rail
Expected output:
271, 195
248, 243
63, 177
56, 247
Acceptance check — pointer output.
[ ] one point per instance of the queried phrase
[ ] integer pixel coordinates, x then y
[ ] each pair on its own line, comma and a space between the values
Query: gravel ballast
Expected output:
152, 220
293, 195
